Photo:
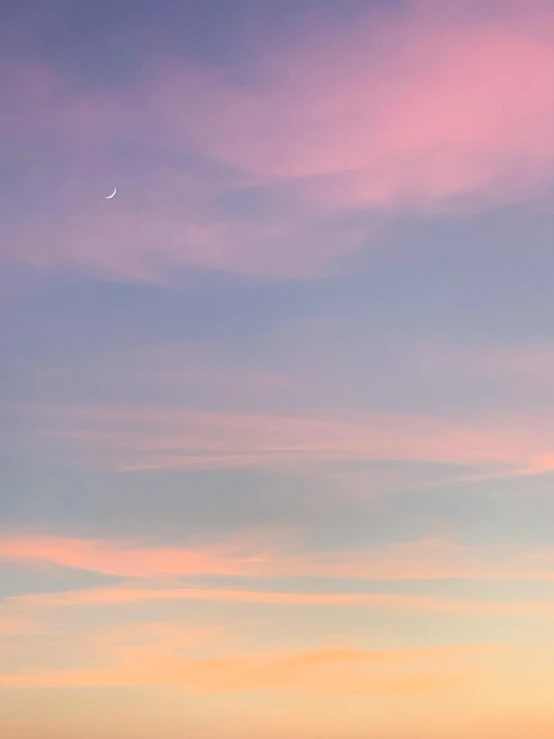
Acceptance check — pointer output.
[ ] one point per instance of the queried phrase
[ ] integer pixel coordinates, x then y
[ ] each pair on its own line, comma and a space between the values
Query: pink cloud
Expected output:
119, 559
135, 438
409, 111
426, 559
428, 109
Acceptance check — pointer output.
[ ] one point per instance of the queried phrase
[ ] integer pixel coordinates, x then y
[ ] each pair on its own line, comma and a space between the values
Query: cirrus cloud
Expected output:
418, 560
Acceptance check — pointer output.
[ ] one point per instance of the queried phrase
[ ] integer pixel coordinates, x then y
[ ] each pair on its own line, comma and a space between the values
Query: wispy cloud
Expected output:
373, 601
418, 560
306, 672
407, 110
419, 109
136, 438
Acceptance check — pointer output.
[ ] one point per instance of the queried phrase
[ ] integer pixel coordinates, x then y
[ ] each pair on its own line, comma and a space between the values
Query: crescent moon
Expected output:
108, 197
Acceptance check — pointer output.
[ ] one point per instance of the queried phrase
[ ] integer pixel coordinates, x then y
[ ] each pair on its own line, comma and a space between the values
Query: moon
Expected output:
108, 197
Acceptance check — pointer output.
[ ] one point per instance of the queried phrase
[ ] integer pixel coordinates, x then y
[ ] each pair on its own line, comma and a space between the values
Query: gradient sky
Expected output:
277, 420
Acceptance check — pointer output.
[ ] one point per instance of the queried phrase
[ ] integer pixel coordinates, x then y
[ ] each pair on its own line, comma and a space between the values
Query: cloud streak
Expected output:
419, 560
373, 601
159, 438
330, 671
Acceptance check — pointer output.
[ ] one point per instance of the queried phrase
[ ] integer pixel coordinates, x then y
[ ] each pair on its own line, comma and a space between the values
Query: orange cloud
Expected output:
329, 671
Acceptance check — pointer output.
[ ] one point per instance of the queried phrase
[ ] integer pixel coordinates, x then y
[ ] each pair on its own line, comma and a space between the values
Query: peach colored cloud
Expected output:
329, 671
134, 438
424, 560
376, 601
119, 559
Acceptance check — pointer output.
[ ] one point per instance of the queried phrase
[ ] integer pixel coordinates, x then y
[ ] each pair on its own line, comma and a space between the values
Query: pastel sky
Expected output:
277, 420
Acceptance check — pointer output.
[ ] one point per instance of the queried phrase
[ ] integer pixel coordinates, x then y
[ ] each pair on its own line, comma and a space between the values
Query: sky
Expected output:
277, 419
